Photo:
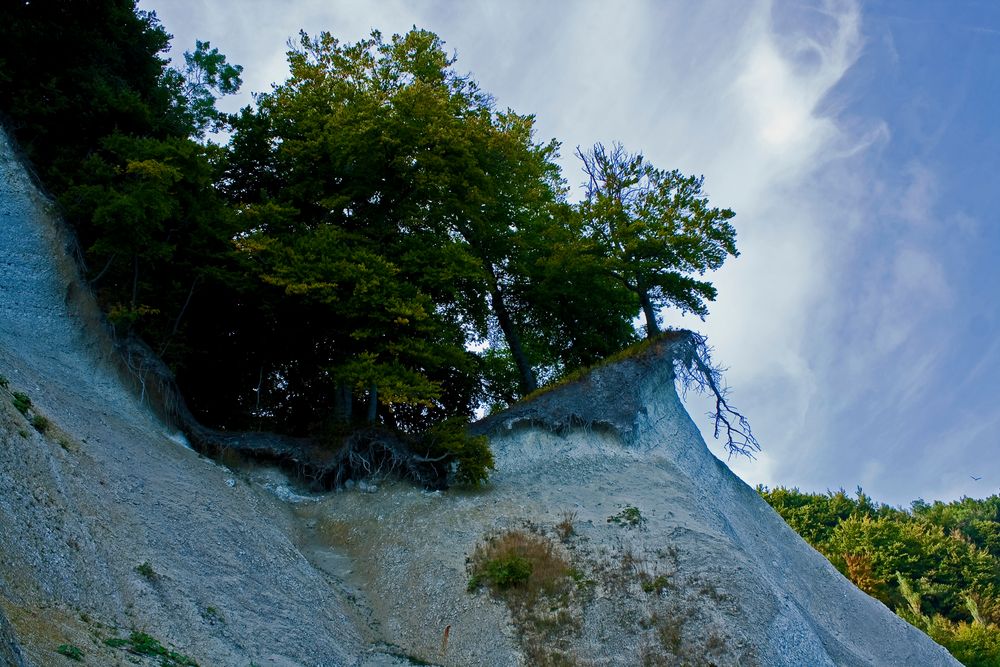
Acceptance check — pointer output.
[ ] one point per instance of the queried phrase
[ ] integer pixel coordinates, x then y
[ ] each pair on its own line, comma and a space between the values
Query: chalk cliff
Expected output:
110, 525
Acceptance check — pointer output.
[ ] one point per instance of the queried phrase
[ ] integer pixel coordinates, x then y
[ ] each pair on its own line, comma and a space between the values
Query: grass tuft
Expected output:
41, 423
523, 563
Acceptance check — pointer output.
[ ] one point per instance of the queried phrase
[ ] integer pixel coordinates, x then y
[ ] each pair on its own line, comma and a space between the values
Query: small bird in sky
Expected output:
974, 478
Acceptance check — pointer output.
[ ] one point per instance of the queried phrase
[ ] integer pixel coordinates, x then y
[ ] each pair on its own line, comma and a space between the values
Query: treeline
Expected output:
376, 243
937, 565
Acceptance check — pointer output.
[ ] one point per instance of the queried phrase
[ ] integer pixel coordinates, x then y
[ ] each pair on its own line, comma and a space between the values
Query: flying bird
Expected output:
974, 478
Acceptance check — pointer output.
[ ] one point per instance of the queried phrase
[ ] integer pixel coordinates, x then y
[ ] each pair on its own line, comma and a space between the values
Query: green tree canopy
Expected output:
654, 230
378, 245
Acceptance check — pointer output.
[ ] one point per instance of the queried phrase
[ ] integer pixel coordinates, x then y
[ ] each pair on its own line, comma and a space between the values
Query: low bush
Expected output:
140, 643
539, 585
41, 423
22, 402
519, 563
628, 517
471, 454
70, 651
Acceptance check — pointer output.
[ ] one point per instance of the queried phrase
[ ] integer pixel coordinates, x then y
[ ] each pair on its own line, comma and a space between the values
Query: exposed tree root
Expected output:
362, 453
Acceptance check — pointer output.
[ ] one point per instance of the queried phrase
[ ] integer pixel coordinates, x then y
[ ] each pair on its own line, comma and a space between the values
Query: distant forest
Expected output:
936, 564
375, 243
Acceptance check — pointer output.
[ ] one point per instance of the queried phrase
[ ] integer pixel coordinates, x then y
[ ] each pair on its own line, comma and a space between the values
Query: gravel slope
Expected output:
110, 525
105, 490
739, 586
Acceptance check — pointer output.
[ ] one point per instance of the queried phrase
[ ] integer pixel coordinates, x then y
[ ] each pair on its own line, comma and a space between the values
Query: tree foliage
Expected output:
935, 564
378, 247
654, 230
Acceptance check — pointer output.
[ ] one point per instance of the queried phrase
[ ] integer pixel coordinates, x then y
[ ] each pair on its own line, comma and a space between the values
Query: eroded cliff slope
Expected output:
108, 526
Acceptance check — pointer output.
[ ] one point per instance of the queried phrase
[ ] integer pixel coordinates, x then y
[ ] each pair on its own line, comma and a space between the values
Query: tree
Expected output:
383, 143
60, 107
206, 77
654, 231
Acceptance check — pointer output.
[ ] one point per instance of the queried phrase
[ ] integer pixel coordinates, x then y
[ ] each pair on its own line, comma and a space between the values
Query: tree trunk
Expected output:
372, 403
528, 382
342, 403
135, 280
652, 328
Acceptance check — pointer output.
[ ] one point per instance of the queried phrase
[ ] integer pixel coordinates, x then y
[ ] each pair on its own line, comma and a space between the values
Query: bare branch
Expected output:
694, 368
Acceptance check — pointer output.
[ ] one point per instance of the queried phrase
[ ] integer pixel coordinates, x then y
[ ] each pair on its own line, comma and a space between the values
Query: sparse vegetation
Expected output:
70, 651
651, 584
4, 383
21, 402
41, 423
213, 615
146, 570
538, 583
565, 529
628, 517
140, 643
519, 559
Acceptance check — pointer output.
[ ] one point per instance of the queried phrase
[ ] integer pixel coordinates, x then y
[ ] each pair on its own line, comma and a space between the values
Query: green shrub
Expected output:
629, 517
508, 571
41, 423
519, 560
651, 584
71, 652
530, 573
146, 570
21, 402
471, 454
140, 643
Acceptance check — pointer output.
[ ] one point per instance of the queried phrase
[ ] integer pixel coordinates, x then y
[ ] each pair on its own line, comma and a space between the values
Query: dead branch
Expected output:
694, 369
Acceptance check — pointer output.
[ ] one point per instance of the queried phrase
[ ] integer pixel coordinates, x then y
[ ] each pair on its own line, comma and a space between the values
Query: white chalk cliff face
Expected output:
708, 574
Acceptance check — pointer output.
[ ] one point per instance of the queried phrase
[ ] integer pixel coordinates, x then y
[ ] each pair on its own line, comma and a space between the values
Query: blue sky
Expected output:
857, 143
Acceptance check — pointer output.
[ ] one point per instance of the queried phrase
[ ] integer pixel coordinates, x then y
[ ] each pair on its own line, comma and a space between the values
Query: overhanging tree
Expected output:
654, 230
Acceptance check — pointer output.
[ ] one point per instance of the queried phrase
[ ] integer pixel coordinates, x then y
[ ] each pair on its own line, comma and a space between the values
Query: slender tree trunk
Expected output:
342, 404
180, 316
528, 382
135, 279
652, 328
104, 270
372, 403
